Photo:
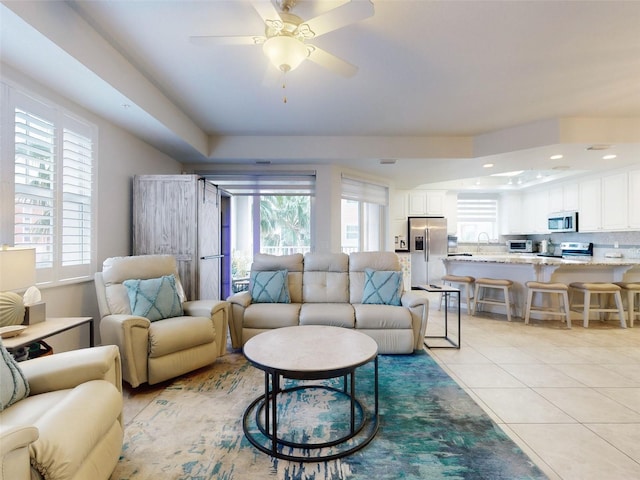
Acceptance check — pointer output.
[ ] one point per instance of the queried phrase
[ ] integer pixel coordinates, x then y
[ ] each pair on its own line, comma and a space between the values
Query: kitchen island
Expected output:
521, 268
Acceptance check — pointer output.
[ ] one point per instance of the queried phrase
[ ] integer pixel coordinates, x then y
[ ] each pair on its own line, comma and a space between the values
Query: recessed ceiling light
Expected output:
609, 157
555, 157
388, 161
487, 165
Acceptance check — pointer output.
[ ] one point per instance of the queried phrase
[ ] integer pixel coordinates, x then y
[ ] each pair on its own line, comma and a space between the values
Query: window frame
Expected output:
64, 121
367, 195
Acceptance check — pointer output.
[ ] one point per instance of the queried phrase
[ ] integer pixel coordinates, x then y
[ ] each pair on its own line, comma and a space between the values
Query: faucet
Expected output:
478, 241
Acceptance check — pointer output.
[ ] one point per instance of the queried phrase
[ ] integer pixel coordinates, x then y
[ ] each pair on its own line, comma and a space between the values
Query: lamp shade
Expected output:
285, 52
17, 268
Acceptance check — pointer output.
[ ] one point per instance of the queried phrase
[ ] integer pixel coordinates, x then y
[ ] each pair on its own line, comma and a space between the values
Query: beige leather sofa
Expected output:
327, 289
69, 427
155, 351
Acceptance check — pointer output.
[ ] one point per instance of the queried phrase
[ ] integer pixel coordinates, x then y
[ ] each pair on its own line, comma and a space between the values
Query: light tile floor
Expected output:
569, 398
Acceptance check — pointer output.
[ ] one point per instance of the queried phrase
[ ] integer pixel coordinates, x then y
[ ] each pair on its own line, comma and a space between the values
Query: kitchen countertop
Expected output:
519, 258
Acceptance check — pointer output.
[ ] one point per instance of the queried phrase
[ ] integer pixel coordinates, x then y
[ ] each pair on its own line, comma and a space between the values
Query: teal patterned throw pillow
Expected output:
269, 287
382, 287
155, 298
13, 384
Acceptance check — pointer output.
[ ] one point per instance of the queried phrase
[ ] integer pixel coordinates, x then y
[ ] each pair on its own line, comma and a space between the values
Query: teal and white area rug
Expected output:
191, 429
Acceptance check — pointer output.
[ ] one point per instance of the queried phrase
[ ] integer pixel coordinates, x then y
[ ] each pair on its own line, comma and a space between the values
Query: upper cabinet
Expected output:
615, 202
609, 203
564, 198
634, 199
511, 214
426, 202
535, 210
590, 211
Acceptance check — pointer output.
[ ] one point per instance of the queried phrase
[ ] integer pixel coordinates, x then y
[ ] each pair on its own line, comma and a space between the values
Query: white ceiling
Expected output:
443, 87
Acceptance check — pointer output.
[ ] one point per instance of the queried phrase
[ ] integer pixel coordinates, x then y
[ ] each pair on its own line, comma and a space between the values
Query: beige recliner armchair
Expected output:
69, 426
193, 334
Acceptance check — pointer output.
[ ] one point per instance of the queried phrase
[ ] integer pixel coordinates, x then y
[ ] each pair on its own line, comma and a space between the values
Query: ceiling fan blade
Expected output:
339, 17
229, 40
331, 62
266, 10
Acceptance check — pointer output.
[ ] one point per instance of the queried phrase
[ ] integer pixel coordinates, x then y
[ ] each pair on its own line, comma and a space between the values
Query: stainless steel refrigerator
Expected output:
428, 248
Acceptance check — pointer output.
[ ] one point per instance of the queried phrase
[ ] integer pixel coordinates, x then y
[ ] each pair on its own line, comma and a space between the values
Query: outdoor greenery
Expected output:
285, 221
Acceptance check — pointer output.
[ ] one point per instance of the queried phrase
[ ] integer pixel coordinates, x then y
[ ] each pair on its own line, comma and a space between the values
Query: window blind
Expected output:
359, 190
477, 209
265, 184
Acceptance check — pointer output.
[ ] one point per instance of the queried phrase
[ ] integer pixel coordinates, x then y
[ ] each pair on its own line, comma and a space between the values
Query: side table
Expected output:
447, 290
50, 327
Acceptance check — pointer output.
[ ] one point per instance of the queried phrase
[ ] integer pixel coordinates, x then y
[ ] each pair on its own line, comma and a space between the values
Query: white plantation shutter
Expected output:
54, 188
34, 185
76, 199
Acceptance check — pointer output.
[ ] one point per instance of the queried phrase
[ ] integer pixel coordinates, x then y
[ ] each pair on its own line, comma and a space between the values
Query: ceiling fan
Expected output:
286, 36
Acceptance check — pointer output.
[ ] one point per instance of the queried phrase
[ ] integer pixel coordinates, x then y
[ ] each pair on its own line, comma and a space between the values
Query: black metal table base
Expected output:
263, 410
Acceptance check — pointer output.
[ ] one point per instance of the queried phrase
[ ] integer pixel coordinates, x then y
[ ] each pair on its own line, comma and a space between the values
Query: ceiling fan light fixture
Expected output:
286, 53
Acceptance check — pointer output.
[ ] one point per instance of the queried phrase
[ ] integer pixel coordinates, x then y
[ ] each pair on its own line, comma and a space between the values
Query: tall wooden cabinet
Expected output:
180, 215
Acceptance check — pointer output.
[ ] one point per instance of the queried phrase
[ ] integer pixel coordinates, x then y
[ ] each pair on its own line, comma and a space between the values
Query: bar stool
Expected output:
482, 284
458, 280
543, 288
631, 290
600, 290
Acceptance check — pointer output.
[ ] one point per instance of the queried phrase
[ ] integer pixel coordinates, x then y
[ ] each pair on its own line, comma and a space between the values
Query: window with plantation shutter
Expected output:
53, 187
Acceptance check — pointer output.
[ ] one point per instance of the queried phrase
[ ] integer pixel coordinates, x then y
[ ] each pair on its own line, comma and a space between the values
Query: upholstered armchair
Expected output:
144, 312
61, 415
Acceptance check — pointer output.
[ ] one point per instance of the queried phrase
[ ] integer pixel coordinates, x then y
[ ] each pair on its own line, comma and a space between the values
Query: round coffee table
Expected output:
310, 352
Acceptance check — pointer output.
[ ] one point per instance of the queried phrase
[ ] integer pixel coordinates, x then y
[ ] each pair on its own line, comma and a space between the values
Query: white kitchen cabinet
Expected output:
634, 199
615, 202
511, 214
426, 202
535, 210
398, 207
570, 197
435, 202
590, 211
417, 203
564, 198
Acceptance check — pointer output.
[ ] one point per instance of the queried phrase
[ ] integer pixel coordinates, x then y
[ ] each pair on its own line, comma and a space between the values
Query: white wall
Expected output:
120, 157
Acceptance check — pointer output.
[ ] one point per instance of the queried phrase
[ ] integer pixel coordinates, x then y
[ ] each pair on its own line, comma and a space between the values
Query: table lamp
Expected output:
17, 273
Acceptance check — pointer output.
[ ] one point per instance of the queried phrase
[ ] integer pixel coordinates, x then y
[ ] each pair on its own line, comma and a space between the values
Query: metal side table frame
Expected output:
447, 291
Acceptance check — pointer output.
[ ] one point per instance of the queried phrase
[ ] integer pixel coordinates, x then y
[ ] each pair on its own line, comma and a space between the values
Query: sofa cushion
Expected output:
382, 287
271, 315
154, 298
13, 384
325, 278
269, 286
331, 314
179, 333
382, 317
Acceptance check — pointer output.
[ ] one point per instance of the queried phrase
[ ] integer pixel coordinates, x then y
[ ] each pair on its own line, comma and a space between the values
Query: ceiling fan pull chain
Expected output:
284, 86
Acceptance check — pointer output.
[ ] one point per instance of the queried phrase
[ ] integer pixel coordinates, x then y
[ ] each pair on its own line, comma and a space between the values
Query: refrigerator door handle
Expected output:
426, 244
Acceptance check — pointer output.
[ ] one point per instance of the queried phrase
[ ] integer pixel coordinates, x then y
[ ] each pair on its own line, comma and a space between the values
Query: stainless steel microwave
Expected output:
563, 222
522, 246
